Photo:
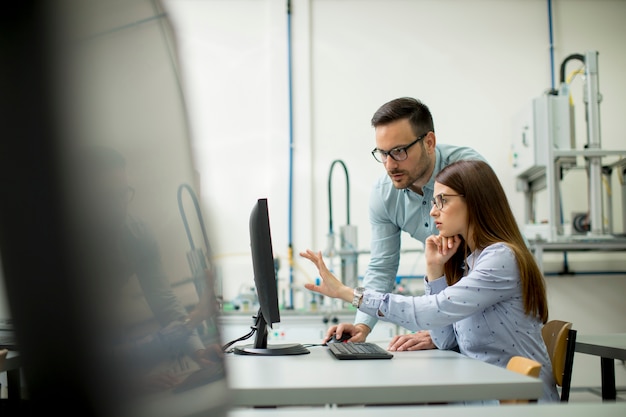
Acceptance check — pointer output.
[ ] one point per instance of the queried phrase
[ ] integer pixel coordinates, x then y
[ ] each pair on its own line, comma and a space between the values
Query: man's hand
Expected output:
417, 341
358, 332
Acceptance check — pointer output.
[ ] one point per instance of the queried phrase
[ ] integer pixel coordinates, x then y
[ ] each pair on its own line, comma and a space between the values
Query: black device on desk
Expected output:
266, 286
360, 350
62, 208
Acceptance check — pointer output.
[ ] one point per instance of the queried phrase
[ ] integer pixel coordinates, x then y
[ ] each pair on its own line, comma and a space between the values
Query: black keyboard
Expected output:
363, 350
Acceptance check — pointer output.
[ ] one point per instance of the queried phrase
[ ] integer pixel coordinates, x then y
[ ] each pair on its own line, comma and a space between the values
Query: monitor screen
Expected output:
266, 286
110, 288
263, 262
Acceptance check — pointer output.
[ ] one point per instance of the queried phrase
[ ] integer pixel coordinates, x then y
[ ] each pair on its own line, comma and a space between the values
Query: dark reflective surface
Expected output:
107, 263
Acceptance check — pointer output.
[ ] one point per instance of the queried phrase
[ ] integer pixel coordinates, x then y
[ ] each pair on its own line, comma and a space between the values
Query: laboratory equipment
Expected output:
348, 234
543, 150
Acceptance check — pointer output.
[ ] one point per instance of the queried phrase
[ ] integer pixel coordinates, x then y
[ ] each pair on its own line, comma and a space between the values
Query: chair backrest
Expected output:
560, 340
524, 366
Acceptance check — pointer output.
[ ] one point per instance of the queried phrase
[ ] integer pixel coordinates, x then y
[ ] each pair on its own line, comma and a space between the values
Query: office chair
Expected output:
560, 339
524, 366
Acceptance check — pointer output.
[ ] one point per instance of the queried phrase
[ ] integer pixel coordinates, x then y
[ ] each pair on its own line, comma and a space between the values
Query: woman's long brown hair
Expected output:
491, 220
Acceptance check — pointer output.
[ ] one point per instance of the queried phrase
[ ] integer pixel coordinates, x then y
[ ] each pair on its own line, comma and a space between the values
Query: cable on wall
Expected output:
571, 57
198, 259
330, 197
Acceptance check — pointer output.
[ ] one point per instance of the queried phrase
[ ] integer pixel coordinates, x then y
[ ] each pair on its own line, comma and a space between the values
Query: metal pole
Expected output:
592, 103
289, 304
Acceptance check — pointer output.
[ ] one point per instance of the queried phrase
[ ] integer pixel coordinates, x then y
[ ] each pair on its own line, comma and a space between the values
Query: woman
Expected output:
483, 291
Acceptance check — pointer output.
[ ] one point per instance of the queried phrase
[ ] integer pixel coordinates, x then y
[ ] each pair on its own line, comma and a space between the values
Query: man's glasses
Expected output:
397, 154
440, 199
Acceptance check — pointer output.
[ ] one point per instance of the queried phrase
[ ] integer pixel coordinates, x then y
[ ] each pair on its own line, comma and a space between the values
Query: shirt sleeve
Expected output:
443, 337
494, 278
385, 254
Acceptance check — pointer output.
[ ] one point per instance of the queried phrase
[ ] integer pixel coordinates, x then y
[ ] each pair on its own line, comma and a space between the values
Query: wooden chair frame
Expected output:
560, 339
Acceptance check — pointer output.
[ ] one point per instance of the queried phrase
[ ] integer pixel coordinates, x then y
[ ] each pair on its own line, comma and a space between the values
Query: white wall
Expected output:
475, 63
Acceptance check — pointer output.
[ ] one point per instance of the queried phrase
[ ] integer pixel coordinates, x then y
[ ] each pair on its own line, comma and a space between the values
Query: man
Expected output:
401, 201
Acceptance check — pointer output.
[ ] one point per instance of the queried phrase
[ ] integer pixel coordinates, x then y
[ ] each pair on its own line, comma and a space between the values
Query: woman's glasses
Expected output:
440, 199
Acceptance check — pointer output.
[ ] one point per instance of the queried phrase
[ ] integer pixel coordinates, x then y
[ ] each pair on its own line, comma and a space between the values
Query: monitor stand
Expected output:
272, 350
260, 346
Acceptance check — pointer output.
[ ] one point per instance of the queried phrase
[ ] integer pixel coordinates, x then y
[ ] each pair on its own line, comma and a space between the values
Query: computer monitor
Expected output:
266, 286
71, 78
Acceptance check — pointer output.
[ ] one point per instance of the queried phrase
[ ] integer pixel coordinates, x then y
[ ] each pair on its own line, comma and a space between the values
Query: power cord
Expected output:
226, 347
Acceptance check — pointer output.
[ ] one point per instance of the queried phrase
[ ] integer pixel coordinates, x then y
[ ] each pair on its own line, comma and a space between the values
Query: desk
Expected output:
518, 410
609, 347
11, 365
408, 378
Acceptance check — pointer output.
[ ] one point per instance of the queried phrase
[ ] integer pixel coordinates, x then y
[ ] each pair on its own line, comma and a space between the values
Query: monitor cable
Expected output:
254, 328
226, 347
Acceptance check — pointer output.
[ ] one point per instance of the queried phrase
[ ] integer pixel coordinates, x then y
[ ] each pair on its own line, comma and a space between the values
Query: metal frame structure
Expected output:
544, 149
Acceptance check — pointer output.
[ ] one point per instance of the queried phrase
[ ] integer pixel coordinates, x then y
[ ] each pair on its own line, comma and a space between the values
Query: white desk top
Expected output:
595, 409
408, 378
318, 379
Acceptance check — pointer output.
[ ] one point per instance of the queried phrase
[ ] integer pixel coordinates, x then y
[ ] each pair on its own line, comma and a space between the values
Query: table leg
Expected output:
608, 379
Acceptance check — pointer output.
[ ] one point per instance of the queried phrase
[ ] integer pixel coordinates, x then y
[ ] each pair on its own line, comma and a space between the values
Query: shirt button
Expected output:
423, 203
425, 224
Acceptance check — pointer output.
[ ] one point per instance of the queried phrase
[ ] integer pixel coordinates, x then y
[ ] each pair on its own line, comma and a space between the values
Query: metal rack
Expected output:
543, 149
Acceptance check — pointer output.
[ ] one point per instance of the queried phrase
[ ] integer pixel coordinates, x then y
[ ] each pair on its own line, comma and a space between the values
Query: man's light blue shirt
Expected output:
392, 211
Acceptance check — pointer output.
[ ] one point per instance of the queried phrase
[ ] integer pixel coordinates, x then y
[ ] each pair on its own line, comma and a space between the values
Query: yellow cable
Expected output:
571, 75
569, 79
606, 185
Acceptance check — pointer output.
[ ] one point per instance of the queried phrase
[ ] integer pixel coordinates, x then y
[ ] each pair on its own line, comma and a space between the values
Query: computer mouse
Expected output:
344, 338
